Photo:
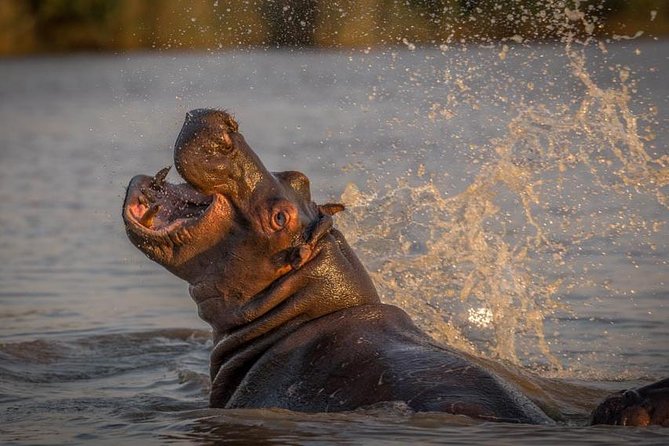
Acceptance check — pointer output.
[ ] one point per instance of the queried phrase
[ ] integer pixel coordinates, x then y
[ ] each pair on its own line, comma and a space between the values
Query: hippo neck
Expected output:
334, 279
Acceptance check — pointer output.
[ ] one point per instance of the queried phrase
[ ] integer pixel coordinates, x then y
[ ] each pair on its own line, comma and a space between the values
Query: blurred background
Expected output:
37, 26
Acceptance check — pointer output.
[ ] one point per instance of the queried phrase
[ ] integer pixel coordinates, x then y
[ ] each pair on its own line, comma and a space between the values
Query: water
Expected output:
511, 198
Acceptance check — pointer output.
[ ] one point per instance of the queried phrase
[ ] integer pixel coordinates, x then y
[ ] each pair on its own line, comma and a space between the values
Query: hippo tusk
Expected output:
158, 180
149, 215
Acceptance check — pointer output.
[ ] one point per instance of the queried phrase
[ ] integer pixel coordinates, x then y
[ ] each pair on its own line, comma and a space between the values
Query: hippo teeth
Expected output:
150, 215
158, 180
164, 208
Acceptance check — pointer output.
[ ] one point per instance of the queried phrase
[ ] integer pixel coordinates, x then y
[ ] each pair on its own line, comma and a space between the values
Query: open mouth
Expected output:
153, 206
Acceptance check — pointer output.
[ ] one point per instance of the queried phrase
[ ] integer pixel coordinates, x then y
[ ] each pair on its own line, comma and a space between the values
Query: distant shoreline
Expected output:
56, 27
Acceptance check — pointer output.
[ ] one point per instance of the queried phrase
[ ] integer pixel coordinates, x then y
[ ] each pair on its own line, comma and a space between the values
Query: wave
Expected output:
107, 355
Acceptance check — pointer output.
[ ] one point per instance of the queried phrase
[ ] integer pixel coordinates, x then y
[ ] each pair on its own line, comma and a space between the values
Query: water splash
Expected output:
484, 269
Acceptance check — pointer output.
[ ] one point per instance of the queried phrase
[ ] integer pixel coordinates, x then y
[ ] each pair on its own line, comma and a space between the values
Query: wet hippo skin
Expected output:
297, 322
636, 407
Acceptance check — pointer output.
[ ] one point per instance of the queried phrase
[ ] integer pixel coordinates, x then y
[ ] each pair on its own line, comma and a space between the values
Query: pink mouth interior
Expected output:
156, 208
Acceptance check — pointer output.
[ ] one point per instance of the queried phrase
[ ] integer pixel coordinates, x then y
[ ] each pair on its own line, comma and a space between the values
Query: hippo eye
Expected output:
279, 219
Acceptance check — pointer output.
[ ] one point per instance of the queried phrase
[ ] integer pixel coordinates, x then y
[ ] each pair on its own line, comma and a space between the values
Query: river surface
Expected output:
512, 198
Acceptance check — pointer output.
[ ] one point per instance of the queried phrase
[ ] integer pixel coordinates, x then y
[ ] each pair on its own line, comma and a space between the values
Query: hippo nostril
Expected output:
228, 145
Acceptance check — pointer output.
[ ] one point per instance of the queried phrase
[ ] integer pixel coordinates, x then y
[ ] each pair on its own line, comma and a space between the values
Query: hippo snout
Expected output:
213, 156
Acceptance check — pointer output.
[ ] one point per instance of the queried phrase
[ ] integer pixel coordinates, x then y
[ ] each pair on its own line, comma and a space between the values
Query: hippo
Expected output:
296, 321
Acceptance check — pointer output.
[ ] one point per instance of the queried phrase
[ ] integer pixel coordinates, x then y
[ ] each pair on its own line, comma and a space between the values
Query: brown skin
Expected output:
636, 407
296, 320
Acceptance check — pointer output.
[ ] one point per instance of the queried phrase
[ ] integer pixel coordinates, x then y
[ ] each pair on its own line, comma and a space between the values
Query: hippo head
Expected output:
233, 228
232, 221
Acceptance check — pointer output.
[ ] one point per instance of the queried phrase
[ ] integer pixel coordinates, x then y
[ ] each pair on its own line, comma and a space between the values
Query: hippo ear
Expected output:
297, 181
318, 229
331, 208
